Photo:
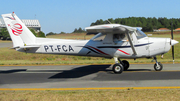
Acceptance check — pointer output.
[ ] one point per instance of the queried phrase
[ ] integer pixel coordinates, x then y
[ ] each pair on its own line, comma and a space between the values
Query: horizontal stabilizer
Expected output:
37, 46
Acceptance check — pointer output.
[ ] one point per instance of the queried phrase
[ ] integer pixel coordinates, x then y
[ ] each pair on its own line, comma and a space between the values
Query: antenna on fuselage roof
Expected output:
109, 21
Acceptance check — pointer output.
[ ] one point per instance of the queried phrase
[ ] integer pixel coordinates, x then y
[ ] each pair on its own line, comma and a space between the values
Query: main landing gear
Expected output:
123, 65
120, 66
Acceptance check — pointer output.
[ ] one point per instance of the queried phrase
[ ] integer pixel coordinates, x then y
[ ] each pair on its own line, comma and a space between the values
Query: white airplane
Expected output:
112, 41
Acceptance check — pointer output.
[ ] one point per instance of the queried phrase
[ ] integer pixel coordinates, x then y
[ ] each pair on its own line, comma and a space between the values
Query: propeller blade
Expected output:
173, 53
172, 31
172, 39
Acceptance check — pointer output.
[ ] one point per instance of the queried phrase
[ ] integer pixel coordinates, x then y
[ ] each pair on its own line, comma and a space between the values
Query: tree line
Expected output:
52, 33
79, 30
147, 24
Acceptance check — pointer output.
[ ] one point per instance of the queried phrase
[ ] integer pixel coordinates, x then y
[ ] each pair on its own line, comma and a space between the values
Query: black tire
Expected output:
118, 68
158, 68
125, 64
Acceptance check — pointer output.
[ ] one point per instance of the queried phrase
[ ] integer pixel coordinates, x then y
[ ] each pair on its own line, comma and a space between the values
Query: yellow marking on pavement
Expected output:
102, 88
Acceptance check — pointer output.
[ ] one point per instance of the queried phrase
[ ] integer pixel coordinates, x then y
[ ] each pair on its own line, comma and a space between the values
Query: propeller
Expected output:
172, 40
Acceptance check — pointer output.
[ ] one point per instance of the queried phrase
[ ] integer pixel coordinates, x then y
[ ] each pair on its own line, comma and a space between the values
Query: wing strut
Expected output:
131, 43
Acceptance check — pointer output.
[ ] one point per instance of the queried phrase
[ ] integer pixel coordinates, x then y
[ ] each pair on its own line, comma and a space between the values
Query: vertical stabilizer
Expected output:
9, 22
19, 33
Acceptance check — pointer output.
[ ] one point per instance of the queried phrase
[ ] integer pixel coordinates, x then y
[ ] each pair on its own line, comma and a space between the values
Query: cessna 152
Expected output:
112, 41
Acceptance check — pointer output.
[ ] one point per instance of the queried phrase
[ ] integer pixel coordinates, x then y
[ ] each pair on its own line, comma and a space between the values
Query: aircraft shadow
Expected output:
12, 71
87, 70
81, 71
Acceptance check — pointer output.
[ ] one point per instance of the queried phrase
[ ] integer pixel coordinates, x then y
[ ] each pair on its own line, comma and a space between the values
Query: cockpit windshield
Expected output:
140, 34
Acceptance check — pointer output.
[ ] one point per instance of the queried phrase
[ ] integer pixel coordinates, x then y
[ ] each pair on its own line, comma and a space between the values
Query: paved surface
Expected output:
82, 76
6, 44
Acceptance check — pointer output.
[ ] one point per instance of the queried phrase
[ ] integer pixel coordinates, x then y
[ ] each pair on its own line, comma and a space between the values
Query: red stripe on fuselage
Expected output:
98, 50
123, 52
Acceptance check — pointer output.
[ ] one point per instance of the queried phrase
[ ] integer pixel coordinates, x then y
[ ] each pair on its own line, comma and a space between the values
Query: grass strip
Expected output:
92, 95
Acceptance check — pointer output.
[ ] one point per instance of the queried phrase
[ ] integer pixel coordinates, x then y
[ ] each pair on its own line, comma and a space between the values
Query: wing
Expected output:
113, 28
107, 28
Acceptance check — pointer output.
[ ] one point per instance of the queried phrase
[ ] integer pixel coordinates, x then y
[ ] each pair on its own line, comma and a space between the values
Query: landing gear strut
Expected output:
120, 66
157, 66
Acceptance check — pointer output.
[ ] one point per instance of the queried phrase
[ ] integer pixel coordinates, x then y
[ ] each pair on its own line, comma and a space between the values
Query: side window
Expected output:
99, 37
119, 37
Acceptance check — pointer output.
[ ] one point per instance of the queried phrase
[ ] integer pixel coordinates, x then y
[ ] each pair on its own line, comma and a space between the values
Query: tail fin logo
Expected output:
10, 18
16, 29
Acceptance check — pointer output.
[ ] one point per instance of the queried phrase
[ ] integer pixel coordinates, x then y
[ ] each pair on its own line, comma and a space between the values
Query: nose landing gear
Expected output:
157, 66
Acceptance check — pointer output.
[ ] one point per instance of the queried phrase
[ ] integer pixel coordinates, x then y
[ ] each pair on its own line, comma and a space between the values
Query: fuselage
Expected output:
145, 47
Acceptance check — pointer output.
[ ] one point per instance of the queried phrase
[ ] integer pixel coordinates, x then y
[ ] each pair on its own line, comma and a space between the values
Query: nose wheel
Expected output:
157, 66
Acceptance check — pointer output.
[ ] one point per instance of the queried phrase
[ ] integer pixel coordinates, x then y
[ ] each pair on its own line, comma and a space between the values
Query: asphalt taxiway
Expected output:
6, 44
88, 76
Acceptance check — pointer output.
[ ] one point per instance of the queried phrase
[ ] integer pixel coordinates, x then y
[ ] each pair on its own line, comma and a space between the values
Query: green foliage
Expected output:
40, 34
37, 34
50, 33
148, 28
147, 24
62, 33
4, 33
80, 30
33, 31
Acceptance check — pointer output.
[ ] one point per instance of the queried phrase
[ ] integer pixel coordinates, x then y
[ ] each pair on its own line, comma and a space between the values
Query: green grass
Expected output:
12, 57
92, 95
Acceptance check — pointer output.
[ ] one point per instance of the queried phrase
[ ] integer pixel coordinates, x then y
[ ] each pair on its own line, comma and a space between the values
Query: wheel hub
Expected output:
157, 66
117, 68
